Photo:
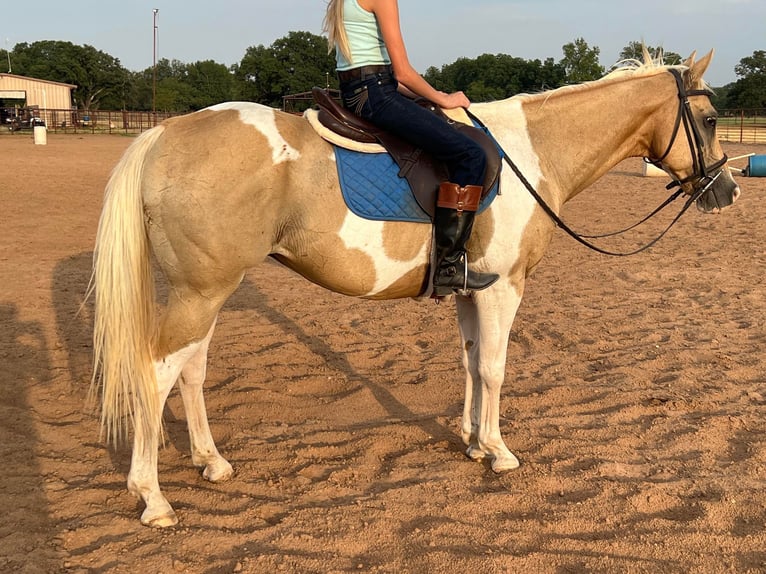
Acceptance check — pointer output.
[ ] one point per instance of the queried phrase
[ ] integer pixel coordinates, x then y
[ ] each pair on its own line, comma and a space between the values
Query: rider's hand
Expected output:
455, 100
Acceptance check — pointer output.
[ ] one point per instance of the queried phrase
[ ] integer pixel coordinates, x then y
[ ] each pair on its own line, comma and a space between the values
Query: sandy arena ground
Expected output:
634, 398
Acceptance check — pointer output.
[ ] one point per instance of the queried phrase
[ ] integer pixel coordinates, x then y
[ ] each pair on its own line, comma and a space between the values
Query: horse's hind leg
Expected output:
203, 450
184, 337
142, 478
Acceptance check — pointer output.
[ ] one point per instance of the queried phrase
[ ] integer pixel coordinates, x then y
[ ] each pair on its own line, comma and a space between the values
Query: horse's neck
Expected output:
579, 134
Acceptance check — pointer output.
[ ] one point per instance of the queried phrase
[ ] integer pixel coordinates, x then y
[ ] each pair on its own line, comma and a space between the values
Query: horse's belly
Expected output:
371, 259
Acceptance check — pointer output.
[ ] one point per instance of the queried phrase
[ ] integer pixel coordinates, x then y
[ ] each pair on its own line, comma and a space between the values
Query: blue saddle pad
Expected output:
373, 189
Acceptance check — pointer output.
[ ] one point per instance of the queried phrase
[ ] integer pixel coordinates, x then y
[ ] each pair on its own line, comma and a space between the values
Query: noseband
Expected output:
701, 178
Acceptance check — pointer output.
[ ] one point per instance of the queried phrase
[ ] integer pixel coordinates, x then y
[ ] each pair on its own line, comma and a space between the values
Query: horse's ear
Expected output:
648, 60
698, 68
690, 60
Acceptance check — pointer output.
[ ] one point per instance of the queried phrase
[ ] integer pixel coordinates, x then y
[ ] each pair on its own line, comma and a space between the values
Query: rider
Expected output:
377, 82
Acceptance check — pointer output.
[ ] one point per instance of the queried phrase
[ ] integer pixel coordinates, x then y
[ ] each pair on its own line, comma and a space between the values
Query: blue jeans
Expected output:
377, 100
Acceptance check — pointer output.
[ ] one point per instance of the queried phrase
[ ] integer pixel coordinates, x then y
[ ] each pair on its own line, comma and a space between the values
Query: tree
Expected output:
580, 62
635, 51
6, 65
754, 65
180, 87
210, 83
103, 83
496, 76
292, 64
720, 99
98, 76
749, 91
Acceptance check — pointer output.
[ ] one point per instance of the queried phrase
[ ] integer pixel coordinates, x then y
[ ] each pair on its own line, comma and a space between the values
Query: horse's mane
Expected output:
623, 70
649, 66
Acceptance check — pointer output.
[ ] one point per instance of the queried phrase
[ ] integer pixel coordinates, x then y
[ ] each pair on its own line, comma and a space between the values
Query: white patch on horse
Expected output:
264, 120
515, 205
367, 237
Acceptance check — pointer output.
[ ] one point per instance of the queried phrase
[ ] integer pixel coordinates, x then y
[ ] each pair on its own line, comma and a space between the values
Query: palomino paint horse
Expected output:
213, 193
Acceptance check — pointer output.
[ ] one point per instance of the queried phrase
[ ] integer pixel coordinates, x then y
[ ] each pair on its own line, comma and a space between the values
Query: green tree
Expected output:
634, 51
138, 93
495, 76
162, 87
6, 63
172, 93
210, 83
749, 91
580, 62
180, 87
720, 99
98, 76
292, 64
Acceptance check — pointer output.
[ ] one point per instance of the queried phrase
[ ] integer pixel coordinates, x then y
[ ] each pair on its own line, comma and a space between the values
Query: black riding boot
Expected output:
455, 211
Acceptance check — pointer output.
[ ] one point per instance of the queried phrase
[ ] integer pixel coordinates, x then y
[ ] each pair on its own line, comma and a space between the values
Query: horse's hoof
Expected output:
505, 463
159, 521
218, 471
475, 453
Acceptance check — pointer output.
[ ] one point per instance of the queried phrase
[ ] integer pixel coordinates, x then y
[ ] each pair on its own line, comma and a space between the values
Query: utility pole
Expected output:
8, 52
154, 66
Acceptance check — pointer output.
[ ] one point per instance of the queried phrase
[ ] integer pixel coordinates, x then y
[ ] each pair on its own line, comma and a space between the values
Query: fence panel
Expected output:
742, 126
101, 121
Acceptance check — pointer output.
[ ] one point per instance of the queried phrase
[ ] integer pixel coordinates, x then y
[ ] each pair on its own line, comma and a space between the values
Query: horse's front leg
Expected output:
204, 453
468, 323
486, 319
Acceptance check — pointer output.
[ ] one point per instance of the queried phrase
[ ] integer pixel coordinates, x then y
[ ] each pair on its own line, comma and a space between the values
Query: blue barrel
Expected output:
756, 166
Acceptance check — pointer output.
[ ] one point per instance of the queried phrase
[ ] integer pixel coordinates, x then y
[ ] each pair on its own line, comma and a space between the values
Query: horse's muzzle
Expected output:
719, 194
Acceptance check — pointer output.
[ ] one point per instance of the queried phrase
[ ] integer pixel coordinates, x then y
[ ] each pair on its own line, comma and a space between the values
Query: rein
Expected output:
701, 174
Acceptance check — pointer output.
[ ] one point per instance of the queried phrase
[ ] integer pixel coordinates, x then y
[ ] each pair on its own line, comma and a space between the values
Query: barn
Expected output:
20, 91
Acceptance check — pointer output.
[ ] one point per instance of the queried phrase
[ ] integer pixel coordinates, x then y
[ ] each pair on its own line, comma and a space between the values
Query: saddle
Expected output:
423, 172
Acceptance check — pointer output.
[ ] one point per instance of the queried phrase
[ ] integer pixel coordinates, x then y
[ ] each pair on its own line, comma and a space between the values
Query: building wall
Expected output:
42, 93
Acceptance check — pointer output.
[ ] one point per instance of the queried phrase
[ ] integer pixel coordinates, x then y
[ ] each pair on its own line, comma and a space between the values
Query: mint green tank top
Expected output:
364, 38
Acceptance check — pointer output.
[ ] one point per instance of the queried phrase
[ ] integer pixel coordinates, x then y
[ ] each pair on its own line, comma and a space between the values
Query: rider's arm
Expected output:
387, 14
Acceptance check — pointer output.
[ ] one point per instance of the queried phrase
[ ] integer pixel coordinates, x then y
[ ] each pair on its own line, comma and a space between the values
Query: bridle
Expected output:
701, 178
701, 173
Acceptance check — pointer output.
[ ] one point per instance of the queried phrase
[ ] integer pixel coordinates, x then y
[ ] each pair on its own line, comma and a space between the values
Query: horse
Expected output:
212, 194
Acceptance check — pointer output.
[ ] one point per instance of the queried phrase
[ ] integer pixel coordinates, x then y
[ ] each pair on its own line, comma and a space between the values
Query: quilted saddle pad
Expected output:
373, 189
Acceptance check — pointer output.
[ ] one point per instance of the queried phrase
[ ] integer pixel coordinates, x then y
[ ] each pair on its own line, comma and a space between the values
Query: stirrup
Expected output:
464, 291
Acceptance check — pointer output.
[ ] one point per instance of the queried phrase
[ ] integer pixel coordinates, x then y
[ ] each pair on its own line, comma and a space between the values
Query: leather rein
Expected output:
701, 178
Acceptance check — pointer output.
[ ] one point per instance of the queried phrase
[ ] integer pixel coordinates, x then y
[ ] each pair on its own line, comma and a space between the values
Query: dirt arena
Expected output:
634, 398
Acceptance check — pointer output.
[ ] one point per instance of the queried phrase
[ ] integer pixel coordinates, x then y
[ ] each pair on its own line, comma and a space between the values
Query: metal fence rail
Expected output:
742, 126
117, 122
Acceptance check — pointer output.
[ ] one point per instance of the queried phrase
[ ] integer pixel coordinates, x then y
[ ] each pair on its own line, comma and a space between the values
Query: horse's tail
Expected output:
124, 319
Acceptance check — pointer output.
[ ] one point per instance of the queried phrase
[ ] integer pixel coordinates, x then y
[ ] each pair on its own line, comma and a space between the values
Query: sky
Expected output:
436, 32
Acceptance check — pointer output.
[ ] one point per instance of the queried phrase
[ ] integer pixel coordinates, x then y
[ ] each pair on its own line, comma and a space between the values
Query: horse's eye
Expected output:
711, 121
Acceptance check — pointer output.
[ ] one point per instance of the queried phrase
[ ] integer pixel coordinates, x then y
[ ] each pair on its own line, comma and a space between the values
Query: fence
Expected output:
742, 126
119, 122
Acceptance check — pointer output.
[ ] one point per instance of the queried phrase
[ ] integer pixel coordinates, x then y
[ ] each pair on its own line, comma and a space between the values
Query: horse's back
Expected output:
227, 186
216, 186
232, 136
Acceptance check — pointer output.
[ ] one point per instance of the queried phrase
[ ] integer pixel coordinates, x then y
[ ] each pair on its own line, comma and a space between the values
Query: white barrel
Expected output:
41, 135
653, 171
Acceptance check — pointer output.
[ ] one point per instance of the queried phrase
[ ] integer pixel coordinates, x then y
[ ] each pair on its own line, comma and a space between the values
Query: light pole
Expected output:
154, 66
8, 52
